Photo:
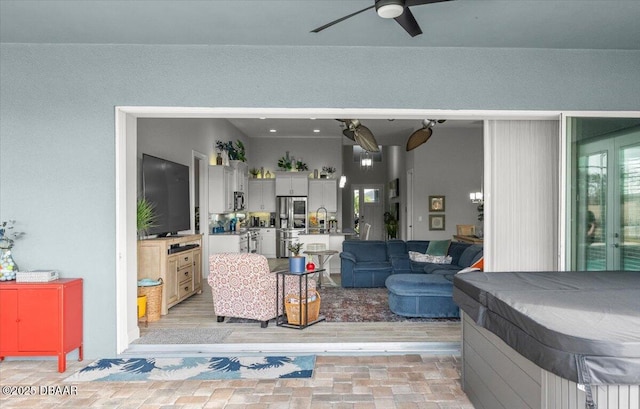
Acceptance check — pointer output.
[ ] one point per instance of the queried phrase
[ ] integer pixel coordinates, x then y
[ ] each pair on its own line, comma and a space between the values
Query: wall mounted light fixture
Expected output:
476, 197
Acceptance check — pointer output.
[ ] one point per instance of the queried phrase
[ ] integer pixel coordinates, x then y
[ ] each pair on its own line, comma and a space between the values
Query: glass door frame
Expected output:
568, 169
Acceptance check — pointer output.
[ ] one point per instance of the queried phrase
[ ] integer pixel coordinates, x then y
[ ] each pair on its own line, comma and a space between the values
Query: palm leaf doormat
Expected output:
177, 369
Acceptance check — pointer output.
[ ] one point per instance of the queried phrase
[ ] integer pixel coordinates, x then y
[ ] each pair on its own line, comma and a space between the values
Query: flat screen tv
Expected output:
165, 185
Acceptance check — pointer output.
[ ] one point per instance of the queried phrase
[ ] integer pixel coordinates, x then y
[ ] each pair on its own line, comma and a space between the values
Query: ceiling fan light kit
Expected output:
389, 8
395, 9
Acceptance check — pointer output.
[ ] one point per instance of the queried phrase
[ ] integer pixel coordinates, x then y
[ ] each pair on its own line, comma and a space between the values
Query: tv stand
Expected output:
175, 259
177, 248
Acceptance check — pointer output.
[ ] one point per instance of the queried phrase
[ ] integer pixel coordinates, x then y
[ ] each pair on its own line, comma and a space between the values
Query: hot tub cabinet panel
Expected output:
495, 376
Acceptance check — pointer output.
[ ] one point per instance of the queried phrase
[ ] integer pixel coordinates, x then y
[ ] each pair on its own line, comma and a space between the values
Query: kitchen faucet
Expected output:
325, 218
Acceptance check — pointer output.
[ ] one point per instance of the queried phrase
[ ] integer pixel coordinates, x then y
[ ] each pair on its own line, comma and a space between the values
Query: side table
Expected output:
281, 319
323, 257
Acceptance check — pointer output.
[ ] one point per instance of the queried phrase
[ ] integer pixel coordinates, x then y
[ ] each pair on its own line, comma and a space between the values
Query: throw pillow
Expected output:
468, 270
426, 258
438, 247
478, 264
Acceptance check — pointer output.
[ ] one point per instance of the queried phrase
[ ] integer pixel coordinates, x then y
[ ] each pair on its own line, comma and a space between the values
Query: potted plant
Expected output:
145, 215
328, 171
296, 262
254, 172
8, 266
234, 151
391, 225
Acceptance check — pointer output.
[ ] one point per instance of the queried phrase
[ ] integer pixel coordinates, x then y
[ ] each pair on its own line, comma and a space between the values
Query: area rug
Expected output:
362, 305
178, 369
182, 336
339, 304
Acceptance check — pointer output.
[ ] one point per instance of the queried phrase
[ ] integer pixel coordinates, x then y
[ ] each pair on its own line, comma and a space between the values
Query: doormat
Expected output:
166, 336
179, 369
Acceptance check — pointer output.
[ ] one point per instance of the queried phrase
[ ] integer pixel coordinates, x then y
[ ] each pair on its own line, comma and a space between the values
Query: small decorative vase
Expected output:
219, 159
8, 267
296, 264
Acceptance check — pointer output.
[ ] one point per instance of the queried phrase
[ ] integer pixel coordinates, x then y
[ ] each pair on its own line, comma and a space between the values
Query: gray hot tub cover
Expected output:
582, 326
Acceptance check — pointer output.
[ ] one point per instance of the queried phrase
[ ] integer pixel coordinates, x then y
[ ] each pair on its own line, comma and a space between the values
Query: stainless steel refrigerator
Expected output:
291, 214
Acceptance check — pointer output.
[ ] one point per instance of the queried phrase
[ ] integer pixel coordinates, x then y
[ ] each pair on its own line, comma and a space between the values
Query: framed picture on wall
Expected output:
436, 222
393, 188
436, 203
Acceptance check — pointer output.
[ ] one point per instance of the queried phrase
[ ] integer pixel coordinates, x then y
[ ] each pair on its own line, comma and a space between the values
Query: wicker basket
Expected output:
154, 300
292, 304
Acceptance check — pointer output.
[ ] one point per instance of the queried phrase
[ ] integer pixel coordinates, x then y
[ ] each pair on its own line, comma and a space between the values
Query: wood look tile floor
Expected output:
197, 312
422, 371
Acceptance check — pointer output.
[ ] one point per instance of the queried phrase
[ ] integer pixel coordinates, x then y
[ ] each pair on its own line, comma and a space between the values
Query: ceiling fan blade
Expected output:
319, 29
409, 3
365, 139
349, 134
409, 23
418, 138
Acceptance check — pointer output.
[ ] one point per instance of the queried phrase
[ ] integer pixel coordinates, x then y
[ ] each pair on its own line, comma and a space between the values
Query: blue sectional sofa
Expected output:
368, 263
416, 289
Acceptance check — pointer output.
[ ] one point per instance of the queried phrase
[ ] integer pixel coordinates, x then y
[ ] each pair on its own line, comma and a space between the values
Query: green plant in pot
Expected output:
391, 225
234, 151
145, 216
296, 262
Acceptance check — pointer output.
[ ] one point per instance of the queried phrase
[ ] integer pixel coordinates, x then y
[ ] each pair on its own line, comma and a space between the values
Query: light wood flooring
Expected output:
327, 337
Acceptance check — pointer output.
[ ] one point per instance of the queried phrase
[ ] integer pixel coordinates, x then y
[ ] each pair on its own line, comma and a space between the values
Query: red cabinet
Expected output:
38, 319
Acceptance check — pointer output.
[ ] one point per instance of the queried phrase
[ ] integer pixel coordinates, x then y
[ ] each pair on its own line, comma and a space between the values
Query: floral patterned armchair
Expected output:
243, 287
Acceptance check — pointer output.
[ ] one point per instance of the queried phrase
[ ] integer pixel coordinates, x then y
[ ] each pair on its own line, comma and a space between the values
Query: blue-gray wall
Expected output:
57, 156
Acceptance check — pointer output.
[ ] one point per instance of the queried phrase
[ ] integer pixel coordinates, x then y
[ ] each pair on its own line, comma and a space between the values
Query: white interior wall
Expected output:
449, 164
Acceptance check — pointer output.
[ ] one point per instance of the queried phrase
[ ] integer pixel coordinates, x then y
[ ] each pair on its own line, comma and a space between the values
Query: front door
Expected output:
607, 203
368, 211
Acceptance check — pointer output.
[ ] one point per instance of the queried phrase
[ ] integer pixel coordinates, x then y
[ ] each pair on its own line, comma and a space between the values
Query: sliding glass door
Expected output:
605, 194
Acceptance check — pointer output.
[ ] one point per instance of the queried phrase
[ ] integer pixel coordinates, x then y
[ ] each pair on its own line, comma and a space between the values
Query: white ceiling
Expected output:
574, 24
386, 132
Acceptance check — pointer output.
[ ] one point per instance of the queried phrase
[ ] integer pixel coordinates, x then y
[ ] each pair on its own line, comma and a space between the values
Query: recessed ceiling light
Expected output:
263, 117
316, 130
313, 119
273, 130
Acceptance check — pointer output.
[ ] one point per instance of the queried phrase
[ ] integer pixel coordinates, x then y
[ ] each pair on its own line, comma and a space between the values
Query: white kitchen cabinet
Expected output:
267, 239
262, 195
241, 176
292, 184
323, 193
221, 186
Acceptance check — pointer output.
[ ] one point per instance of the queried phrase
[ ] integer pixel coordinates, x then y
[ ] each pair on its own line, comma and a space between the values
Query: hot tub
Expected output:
551, 339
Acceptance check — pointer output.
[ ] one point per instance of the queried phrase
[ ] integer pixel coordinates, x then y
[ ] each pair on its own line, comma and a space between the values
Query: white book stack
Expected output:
36, 276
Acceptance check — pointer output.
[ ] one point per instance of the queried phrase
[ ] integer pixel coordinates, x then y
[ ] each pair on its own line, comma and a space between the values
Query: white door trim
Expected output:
125, 138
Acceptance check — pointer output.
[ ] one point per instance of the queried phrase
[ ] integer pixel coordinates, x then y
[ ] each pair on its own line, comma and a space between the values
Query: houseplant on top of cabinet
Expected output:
234, 151
296, 262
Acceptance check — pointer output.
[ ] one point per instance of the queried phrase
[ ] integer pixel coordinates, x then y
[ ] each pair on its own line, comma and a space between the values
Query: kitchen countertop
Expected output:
230, 233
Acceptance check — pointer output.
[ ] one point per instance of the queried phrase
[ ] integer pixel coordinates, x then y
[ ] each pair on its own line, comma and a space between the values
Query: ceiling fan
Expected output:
423, 134
360, 134
395, 9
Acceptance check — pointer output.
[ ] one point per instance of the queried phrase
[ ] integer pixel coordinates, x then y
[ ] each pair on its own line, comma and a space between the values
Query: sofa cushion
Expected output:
433, 268
438, 247
455, 251
363, 266
470, 255
366, 250
396, 247
419, 285
419, 246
